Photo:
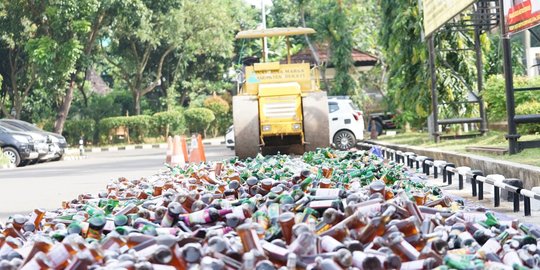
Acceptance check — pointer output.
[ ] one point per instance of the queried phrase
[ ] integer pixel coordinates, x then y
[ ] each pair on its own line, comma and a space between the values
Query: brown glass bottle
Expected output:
404, 249
286, 221
408, 226
249, 238
376, 226
60, 254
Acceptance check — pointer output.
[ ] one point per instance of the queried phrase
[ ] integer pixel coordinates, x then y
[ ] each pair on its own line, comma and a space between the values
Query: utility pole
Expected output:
265, 42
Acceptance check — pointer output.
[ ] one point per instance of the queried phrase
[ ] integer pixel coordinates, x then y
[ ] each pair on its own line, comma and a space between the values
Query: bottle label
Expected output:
368, 209
321, 204
327, 192
199, 217
239, 212
273, 211
167, 220
58, 256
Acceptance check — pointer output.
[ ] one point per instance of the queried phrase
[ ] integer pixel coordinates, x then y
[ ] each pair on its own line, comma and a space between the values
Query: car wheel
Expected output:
13, 155
378, 127
344, 140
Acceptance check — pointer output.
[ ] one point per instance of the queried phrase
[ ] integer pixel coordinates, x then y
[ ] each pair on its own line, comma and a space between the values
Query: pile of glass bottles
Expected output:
324, 210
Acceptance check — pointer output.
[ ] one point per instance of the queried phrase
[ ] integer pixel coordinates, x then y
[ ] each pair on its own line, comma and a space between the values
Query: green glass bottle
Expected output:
306, 183
491, 220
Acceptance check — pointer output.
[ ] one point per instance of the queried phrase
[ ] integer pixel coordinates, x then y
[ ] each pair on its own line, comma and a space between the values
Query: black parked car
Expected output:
383, 121
57, 143
39, 141
17, 146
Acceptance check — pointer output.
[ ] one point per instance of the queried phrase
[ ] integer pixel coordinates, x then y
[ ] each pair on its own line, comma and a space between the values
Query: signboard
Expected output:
521, 14
279, 73
438, 12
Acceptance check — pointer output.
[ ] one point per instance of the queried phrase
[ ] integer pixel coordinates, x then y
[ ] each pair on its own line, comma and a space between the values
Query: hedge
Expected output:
494, 95
168, 123
529, 107
137, 127
221, 110
198, 119
74, 129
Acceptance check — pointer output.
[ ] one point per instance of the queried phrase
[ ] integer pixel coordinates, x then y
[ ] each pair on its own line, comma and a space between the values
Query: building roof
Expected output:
359, 58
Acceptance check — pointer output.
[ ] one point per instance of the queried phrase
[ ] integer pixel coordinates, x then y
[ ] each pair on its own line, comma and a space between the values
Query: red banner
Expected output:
521, 14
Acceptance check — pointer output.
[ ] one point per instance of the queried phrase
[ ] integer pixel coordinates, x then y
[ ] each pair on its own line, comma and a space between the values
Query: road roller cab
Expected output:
279, 106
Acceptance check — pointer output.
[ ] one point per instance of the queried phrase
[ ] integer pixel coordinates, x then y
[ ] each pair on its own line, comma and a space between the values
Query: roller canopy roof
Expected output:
274, 32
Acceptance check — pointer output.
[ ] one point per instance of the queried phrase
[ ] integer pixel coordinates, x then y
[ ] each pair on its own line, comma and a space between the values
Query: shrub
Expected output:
47, 124
198, 119
221, 110
137, 127
495, 94
74, 129
169, 123
530, 107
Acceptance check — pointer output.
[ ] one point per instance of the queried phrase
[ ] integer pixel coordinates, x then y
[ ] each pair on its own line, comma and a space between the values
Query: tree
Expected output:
152, 42
333, 24
141, 37
96, 15
18, 21
339, 32
406, 55
200, 71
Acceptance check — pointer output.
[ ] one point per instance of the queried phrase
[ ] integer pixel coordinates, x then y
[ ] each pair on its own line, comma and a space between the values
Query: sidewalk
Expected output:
504, 211
478, 207
528, 173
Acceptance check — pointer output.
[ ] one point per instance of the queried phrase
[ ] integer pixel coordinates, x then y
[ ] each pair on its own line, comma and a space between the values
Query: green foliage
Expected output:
493, 54
4, 160
495, 95
198, 119
406, 57
74, 129
529, 107
341, 43
169, 122
137, 126
221, 110
152, 42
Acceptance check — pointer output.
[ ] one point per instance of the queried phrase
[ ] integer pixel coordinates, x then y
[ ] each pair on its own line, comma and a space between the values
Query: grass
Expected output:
3, 159
492, 139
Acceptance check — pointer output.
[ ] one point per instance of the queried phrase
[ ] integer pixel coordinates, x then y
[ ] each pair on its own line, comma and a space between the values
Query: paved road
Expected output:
47, 185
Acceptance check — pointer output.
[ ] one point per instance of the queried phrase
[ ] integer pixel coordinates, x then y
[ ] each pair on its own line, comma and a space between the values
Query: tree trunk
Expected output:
63, 110
137, 102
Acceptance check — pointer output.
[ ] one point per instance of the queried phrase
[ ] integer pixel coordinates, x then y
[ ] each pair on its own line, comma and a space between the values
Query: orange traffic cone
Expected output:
184, 149
169, 150
176, 158
201, 148
194, 150
197, 150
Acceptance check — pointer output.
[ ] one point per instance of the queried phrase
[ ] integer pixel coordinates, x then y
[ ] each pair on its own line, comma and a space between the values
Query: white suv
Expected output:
346, 124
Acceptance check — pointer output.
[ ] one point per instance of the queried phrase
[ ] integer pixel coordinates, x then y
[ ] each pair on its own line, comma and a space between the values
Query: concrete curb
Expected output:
75, 151
528, 173
74, 157
214, 143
